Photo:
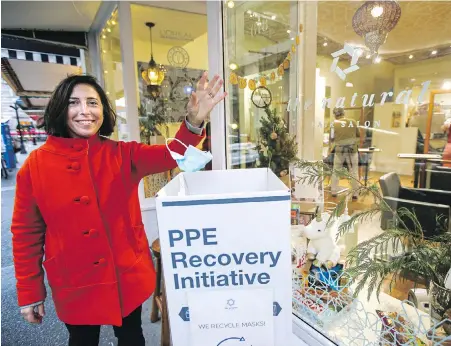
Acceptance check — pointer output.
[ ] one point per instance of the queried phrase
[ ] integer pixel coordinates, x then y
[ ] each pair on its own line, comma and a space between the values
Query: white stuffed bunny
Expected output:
322, 246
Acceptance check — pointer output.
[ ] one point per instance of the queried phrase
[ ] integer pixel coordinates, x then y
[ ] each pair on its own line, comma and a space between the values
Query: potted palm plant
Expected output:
428, 259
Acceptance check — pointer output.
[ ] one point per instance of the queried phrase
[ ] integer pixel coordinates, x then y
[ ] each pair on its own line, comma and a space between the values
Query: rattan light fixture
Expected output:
374, 20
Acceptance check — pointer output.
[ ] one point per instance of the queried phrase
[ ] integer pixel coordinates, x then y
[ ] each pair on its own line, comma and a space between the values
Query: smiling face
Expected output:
84, 112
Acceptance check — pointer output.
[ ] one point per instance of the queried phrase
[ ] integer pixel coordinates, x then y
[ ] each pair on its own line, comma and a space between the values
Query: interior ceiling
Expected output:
49, 15
169, 24
423, 24
199, 7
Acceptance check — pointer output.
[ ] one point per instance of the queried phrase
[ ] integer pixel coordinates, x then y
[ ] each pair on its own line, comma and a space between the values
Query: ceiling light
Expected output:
288, 31
377, 60
108, 29
113, 22
446, 85
273, 17
259, 23
231, 4
105, 71
292, 39
410, 56
325, 44
234, 126
377, 11
434, 52
104, 36
349, 85
233, 66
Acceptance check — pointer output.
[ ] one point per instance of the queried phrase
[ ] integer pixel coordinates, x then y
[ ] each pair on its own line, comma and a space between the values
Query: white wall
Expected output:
392, 141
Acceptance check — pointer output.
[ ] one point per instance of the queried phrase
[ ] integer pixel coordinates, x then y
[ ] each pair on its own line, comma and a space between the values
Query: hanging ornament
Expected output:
273, 76
293, 48
233, 78
286, 64
289, 56
242, 83
263, 80
252, 84
273, 136
280, 70
298, 40
301, 28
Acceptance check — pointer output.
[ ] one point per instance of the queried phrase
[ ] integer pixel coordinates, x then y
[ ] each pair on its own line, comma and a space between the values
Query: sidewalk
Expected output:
10, 183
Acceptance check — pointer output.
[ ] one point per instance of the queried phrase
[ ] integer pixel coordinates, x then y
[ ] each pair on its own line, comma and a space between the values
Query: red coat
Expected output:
80, 198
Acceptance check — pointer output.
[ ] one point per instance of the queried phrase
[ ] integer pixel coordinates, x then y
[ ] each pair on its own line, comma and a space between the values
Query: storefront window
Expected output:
371, 249
111, 58
180, 51
260, 46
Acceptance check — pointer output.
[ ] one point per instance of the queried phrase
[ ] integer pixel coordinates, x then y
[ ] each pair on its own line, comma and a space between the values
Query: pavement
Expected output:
52, 332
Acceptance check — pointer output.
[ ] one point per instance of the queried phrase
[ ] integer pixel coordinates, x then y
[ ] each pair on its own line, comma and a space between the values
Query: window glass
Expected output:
260, 45
111, 58
180, 51
371, 228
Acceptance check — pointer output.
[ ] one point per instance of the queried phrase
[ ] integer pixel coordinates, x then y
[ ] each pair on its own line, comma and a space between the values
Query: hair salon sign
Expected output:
176, 35
367, 100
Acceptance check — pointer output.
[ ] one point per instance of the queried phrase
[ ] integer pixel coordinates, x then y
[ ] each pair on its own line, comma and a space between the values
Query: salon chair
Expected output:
431, 207
440, 178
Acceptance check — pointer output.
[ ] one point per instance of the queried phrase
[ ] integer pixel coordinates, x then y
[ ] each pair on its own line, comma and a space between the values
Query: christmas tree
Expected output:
277, 148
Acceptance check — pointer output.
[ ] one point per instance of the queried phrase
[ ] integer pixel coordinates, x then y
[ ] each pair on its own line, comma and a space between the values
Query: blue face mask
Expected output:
194, 159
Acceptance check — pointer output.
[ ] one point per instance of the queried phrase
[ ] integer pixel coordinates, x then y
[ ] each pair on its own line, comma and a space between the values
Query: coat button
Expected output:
93, 233
85, 200
78, 147
100, 262
75, 166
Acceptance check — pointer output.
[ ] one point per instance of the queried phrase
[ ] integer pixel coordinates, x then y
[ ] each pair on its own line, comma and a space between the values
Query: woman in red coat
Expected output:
78, 195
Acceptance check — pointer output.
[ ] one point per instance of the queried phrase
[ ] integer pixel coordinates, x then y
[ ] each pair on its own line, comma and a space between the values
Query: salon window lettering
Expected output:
403, 97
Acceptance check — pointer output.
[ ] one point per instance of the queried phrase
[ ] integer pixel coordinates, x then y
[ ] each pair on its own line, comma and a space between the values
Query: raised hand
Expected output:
204, 99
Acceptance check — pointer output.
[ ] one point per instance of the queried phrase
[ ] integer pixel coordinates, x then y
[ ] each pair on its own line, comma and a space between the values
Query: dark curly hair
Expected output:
55, 115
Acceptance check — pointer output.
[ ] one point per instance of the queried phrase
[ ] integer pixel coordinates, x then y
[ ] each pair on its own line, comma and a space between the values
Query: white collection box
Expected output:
225, 247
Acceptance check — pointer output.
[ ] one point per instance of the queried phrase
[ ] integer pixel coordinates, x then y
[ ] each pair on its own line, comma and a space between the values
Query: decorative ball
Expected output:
242, 83
233, 78
252, 84
286, 64
273, 136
